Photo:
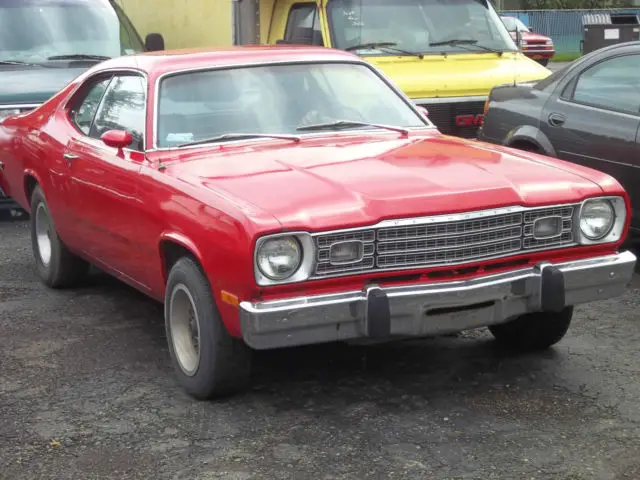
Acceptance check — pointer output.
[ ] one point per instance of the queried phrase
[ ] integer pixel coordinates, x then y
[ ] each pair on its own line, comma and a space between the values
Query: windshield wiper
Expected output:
18, 62
342, 124
79, 56
240, 136
386, 46
462, 42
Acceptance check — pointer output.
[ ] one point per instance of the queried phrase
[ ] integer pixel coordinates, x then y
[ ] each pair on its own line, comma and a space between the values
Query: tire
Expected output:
533, 331
214, 364
544, 62
56, 265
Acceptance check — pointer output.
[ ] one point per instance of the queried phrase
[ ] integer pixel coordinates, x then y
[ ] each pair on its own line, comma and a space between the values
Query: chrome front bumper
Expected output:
433, 308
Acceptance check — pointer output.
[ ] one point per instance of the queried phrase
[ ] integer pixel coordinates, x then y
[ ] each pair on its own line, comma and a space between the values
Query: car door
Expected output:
104, 192
593, 120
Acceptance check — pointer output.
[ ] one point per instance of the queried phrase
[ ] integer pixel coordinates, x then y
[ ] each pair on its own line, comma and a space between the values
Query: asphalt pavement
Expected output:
86, 391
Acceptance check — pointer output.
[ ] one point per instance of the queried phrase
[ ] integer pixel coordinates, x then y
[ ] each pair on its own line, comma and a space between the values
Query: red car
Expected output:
533, 45
282, 196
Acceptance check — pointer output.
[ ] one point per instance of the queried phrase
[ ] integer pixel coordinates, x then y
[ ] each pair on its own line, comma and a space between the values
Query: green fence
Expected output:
565, 27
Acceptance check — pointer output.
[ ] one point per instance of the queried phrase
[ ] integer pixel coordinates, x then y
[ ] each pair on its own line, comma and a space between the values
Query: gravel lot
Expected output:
86, 391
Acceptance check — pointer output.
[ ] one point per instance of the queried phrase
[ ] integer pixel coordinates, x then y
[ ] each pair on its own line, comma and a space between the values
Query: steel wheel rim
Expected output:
185, 329
43, 234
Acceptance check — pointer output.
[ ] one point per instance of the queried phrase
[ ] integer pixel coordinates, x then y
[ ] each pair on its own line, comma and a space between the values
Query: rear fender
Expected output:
533, 135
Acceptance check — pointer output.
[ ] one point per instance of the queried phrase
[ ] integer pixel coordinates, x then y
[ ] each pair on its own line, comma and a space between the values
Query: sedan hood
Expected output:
348, 183
33, 85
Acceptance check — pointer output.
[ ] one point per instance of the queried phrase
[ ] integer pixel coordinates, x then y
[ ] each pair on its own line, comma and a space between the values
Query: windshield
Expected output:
34, 30
276, 99
414, 25
512, 23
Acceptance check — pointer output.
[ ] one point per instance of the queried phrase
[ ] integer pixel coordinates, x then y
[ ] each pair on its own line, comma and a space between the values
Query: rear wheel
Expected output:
56, 265
544, 62
533, 331
208, 362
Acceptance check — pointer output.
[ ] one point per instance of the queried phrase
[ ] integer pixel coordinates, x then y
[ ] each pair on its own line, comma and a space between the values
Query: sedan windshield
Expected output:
37, 30
293, 99
414, 25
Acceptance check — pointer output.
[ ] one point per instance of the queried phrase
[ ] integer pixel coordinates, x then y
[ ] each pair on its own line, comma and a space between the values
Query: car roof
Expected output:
168, 61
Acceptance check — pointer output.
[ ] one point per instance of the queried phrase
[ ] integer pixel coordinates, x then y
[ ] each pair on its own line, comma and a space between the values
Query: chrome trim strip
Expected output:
355, 61
22, 105
427, 100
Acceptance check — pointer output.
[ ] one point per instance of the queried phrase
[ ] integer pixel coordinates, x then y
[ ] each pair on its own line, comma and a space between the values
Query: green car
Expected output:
44, 44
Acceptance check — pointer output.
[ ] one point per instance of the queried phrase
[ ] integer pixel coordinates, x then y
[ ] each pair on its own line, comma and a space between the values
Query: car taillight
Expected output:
486, 106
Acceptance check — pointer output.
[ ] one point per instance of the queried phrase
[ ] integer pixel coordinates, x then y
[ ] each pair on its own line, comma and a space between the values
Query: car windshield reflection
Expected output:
38, 31
277, 99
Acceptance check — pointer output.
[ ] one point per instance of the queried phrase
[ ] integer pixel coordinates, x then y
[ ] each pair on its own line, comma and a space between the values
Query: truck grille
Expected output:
444, 115
441, 241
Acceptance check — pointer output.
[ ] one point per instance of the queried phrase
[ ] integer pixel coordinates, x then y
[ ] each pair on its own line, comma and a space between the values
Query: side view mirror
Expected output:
423, 110
154, 42
117, 139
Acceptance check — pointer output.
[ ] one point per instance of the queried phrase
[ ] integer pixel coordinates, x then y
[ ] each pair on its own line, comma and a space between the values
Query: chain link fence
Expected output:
564, 26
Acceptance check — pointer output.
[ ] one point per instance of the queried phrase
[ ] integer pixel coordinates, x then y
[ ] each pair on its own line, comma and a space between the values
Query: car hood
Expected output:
33, 84
345, 183
457, 74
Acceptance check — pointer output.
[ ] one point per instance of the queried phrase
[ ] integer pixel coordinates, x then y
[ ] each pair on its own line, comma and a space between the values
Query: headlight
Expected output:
279, 258
601, 220
596, 219
284, 258
549, 42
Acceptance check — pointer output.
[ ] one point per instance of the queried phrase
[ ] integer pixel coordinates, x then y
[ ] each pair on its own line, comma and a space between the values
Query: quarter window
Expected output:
303, 25
123, 108
84, 111
611, 85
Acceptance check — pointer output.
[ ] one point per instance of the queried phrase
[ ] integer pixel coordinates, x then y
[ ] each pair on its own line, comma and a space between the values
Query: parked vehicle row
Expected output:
283, 196
533, 45
44, 45
587, 113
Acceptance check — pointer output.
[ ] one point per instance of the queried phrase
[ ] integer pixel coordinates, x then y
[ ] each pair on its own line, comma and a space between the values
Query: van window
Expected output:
35, 30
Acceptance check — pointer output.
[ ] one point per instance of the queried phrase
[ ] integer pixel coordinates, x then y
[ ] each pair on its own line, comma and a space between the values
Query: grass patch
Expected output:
565, 57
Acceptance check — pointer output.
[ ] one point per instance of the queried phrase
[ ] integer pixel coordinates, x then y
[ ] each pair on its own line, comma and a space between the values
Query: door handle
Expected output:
556, 119
70, 156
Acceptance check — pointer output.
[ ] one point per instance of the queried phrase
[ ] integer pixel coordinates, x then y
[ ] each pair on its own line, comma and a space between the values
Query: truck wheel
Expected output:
533, 331
56, 265
544, 62
209, 362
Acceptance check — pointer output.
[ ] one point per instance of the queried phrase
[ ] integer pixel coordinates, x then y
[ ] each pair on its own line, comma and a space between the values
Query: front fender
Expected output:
531, 134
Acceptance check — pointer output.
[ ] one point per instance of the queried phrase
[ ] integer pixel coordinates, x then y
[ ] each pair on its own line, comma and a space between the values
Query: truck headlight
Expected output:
284, 258
602, 220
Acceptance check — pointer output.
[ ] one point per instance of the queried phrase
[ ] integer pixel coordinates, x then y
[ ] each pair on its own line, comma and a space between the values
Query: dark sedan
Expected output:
587, 113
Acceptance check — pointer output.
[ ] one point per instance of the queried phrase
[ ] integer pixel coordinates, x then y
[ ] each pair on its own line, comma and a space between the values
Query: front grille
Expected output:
441, 241
444, 115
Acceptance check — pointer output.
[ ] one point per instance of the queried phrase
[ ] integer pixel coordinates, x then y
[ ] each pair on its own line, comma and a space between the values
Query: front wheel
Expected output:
533, 331
209, 363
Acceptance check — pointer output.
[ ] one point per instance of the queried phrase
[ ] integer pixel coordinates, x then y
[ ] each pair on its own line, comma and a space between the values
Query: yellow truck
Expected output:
446, 55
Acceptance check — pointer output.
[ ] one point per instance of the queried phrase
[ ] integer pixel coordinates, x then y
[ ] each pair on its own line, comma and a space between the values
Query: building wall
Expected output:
183, 23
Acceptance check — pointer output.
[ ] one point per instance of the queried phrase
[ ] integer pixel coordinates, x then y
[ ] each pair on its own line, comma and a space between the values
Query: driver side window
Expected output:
85, 108
123, 108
